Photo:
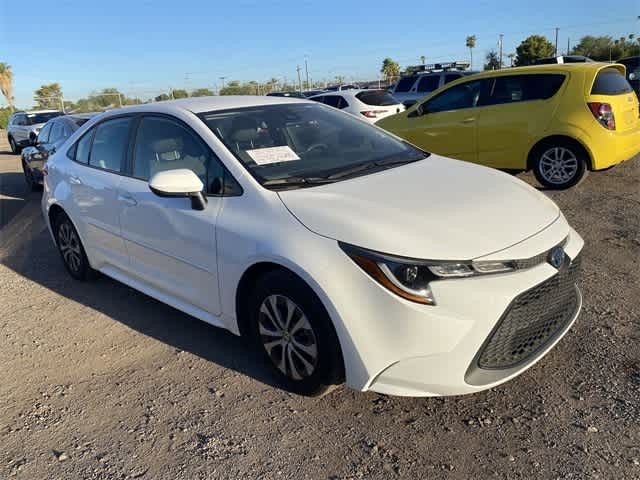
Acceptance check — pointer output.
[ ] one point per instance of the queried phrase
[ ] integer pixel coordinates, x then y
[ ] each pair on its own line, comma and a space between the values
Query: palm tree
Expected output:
390, 68
6, 83
471, 44
423, 59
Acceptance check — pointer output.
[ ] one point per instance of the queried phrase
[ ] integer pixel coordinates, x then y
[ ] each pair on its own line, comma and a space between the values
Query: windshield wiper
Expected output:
361, 167
295, 182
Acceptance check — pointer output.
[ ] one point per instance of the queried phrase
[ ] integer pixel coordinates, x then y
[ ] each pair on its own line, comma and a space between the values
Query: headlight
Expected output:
410, 279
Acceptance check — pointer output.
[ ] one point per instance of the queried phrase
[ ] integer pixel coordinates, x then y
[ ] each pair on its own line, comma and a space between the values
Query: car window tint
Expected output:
429, 83
455, 98
342, 102
376, 97
520, 88
83, 147
162, 144
318, 99
110, 144
67, 130
332, 100
610, 82
450, 77
43, 136
405, 84
57, 132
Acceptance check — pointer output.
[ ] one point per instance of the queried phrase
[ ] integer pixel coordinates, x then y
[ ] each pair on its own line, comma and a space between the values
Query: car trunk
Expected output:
610, 87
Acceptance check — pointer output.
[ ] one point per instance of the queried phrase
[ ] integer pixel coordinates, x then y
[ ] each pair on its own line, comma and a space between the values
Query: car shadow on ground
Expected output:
34, 257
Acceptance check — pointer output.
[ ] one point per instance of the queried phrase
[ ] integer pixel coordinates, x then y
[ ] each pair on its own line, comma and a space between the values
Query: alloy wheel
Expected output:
69, 245
288, 337
558, 165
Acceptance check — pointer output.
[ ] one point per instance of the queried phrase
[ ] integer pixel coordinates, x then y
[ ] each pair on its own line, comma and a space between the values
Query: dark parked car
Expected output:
633, 72
312, 93
51, 136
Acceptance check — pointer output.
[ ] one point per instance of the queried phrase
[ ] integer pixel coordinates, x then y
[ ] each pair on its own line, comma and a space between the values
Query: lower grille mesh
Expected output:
534, 319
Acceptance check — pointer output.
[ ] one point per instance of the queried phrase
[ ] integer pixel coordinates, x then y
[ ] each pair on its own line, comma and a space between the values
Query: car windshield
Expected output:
300, 144
36, 118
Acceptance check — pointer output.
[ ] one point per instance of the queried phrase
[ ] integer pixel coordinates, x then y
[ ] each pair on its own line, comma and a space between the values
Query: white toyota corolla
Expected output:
344, 253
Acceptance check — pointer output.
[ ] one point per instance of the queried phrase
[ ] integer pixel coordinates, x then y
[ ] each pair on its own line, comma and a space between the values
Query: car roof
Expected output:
349, 93
551, 68
208, 104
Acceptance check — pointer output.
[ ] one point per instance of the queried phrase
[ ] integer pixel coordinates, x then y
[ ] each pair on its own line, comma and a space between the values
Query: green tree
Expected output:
180, 93
106, 98
48, 96
492, 61
605, 48
162, 97
6, 83
532, 48
471, 44
390, 69
201, 92
5, 113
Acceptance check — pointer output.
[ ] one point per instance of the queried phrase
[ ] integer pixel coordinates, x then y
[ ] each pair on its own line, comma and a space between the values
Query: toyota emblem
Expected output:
556, 258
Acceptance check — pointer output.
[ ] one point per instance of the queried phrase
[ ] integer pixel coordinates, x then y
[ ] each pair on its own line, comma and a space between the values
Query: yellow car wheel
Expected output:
559, 165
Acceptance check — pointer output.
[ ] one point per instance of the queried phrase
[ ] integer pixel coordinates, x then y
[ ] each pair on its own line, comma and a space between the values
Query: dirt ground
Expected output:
102, 382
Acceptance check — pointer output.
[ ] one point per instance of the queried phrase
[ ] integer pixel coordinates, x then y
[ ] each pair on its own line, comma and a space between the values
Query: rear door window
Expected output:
610, 82
318, 99
110, 144
519, 88
333, 101
83, 147
429, 83
405, 84
376, 97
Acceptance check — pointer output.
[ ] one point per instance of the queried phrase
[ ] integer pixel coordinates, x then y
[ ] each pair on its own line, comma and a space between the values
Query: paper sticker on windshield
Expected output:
265, 156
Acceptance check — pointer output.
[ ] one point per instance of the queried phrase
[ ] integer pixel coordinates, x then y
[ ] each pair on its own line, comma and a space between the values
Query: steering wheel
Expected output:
317, 146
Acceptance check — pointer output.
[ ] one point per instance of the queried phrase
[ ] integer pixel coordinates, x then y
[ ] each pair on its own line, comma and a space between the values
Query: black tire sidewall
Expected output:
580, 172
329, 369
84, 271
14, 146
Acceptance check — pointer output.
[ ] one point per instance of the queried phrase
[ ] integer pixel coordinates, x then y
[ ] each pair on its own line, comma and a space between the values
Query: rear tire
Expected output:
290, 326
71, 250
559, 165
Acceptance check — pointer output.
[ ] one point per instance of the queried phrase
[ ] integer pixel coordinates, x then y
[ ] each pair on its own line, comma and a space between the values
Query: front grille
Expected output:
533, 320
538, 259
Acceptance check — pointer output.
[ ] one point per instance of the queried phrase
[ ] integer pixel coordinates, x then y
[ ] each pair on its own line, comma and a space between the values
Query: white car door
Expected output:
94, 179
171, 246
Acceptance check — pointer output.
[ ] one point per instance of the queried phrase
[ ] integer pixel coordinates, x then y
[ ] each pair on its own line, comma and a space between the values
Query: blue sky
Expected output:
144, 47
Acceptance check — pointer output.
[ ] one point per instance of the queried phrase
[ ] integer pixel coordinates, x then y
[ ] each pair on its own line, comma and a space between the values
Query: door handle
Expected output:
469, 120
75, 180
127, 199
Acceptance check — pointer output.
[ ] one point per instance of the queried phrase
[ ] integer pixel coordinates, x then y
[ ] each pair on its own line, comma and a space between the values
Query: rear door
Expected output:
510, 109
20, 129
611, 87
100, 160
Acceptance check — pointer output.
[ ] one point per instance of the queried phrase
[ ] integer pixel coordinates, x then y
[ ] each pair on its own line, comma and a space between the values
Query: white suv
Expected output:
341, 251
23, 127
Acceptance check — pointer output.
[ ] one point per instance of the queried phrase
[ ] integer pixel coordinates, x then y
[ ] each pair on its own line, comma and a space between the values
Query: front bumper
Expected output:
415, 350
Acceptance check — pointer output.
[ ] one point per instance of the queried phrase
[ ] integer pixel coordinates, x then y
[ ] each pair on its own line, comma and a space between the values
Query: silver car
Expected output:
24, 127
411, 88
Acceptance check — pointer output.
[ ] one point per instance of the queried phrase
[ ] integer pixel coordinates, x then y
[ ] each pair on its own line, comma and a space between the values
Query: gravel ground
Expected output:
100, 381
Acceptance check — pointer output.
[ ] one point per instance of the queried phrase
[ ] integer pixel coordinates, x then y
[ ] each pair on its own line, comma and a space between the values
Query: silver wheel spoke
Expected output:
558, 165
288, 337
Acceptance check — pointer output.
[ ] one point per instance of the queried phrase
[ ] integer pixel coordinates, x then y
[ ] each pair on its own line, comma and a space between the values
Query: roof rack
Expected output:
437, 67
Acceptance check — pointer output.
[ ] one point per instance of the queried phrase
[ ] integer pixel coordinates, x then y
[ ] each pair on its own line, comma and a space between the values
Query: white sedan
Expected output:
343, 253
369, 105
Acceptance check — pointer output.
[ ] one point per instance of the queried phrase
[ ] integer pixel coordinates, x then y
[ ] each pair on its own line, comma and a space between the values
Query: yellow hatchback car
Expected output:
558, 120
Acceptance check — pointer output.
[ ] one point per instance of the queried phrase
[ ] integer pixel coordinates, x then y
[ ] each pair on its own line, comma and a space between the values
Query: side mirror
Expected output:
632, 76
418, 112
179, 183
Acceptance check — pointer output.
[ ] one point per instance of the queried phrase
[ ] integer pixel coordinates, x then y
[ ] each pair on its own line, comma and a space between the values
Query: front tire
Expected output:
28, 178
71, 250
291, 328
559, 165
15, 149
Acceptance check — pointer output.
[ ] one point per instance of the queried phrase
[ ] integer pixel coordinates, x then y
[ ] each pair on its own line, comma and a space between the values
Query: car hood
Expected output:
437, 208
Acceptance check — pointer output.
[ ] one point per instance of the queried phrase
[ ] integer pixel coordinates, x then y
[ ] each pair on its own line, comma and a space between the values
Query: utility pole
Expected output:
299, 79
500, 43
556, 52
306, 71
568, 45
222, 78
